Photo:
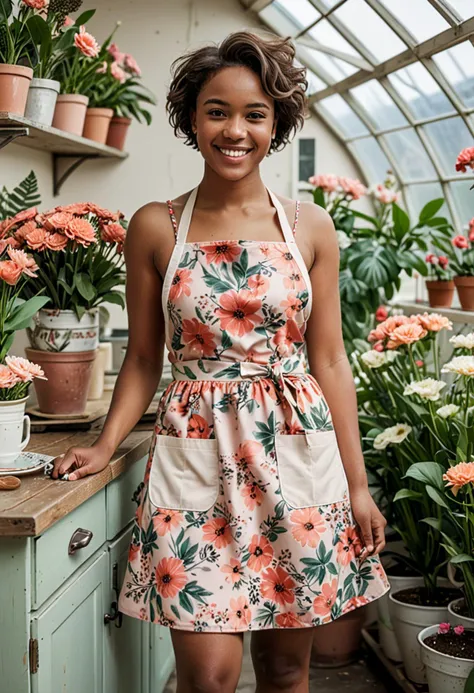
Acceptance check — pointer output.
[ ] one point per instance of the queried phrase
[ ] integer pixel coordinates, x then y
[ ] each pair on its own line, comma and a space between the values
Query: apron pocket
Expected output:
184, 473
310, 469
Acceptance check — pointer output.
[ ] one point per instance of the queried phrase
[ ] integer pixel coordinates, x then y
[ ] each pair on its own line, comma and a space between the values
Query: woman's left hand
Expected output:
371, 523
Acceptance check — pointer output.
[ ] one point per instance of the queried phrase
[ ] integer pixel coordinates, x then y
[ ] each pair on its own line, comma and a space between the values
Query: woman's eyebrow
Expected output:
220, 102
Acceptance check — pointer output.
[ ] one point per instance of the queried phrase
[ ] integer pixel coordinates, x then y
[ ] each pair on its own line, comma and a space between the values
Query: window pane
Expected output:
314, 82
306, 167
457, 64
420, 92
463, 200
371, 29
419, 195
410, 155
379, 105
373, 160
464, 8
419, 17
337, 110
324, 33
302, 11
281, 22
448, 137
335, 69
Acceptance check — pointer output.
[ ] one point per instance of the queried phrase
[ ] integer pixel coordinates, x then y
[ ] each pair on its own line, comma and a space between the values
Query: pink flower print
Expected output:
241, 614
258, 284
346, 547
198, 427
308, 526
263, 388
170, 577
278, 586
199, 338
180, 284
286, 337
217, 253
166, 520
248, 453
283, 260
238, 312
133, 552
252, 495
324, 602
261, 553
291, 305
233, 571
217, 532
288, 621
294, 280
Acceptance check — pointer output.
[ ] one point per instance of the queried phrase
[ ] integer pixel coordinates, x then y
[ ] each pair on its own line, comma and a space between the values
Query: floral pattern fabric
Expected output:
236, 314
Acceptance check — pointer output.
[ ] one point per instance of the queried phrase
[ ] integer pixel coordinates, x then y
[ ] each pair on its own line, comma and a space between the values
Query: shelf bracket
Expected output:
7, 135
61, 176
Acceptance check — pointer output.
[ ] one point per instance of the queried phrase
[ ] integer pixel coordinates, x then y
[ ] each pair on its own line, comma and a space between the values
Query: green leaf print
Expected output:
226, 341
239, 269
230, 371
185, 602
176, 341
189, 373
193, 590
267, 433
175, 611
255, 269
215, 282
266, 615
321, 417
199, 315
318, 566
152, 612
187, 553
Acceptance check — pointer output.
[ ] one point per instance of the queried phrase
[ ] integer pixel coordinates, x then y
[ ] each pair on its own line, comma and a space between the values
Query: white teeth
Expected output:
233, 152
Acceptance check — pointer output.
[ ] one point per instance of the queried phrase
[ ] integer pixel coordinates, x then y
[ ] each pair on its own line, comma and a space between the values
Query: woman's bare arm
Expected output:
330, 366
141, 370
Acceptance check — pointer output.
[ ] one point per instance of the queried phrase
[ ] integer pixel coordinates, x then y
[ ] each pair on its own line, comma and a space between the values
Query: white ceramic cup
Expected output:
14, 431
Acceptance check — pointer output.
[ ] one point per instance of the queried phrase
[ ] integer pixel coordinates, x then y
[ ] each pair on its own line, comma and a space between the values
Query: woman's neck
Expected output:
217, 192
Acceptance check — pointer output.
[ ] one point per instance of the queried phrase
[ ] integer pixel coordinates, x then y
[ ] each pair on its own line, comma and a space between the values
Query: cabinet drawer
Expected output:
52, 564
120, 505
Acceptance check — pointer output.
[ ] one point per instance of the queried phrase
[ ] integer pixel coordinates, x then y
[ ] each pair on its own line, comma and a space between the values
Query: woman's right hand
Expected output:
79, 462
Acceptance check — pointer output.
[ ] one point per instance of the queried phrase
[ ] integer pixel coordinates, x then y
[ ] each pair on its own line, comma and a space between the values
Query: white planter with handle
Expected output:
408, 620
445, 674
41, 102
388, 639
14, 431
60, 330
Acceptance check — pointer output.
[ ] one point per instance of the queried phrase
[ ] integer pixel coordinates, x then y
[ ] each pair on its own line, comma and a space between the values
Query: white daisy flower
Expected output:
448, 410
429, 388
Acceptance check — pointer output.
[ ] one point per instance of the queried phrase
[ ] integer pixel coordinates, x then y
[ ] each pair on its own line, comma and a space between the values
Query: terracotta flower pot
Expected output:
440, 293
70, 113
465, 289
96, 125
69, 374
14, 84
118, 132
338, 643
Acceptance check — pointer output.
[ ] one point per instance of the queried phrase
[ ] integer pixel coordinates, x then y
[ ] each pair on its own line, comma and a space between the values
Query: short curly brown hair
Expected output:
269, 56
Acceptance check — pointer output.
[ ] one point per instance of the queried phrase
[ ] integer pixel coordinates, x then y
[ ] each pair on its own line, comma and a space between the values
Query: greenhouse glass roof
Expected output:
394, 79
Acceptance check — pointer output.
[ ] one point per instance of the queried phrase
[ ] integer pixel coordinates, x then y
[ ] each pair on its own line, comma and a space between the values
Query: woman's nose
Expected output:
235, 129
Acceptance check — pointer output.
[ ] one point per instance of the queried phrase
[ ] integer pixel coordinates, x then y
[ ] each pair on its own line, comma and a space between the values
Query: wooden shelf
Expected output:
55, 141
455, 314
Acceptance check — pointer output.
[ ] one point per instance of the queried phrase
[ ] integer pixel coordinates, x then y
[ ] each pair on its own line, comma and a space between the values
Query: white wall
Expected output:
160, 166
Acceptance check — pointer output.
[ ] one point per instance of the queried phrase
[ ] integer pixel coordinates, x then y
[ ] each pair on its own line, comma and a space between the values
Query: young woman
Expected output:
244, 520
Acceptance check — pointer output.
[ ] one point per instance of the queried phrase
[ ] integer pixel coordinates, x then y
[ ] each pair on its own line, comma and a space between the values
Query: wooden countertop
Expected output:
40, 501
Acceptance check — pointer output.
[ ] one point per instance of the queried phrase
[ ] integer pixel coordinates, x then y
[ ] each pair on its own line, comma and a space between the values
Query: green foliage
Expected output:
24, 196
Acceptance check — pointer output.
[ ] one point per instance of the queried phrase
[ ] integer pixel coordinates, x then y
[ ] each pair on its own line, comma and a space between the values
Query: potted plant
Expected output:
53, 37
74, 72
78, 251
447, 653
15, 54
440, 285
460, 251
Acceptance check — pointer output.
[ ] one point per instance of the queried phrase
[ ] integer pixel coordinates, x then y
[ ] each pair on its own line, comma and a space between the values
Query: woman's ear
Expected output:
193, 121
274, 129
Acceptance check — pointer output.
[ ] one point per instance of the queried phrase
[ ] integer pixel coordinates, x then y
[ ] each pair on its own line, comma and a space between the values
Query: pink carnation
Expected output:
460, 242
35, 4
132, 65
25, 262
10, 273
102, 213
444, 628
459, 630
69, 21
36, 240
86, 43
327, 181
113, 233
352, 187
117, 55
7, 377
56, 241
381, 314
81, 231
24, 369
118, 72
58, 220
79, 208
385, 195
465, 159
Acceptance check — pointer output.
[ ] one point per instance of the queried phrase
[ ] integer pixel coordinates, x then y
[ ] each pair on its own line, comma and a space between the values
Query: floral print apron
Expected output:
243, 519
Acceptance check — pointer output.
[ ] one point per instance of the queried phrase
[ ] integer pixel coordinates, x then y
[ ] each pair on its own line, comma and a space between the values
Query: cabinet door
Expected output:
161, 657
70, 634
127, 647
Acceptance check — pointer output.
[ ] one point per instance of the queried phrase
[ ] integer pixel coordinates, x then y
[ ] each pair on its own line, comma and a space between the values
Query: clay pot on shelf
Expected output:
338, 643
70, 113
60, 330
69, 375
41, 102
465, 289
14, 84
118, 132
440, 293
96, 125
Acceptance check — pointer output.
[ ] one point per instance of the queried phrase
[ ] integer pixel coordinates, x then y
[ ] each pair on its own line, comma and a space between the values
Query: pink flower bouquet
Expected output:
16, 375
77, 250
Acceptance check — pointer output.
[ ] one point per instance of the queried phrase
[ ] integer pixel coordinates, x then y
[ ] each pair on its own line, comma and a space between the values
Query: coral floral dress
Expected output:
243, 519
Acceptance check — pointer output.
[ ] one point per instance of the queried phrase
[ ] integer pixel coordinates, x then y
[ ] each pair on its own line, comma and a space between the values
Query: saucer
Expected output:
27, 463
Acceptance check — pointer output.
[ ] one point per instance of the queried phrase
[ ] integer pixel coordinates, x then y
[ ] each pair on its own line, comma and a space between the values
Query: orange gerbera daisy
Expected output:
241, 614
180, 284
349, 540
198, 337
324, 602
198, 427
166, 520
291, 305
217, 531
170, 577
278, 586
308, 526
252, 495
460, 475
221, 252
238, 312
261, 553
233, 571
258, 284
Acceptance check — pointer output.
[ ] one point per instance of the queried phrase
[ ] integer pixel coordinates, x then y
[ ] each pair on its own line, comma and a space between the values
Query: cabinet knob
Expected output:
79, 540
115, 615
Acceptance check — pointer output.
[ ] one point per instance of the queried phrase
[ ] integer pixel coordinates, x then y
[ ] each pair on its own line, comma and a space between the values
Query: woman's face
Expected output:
234, 122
